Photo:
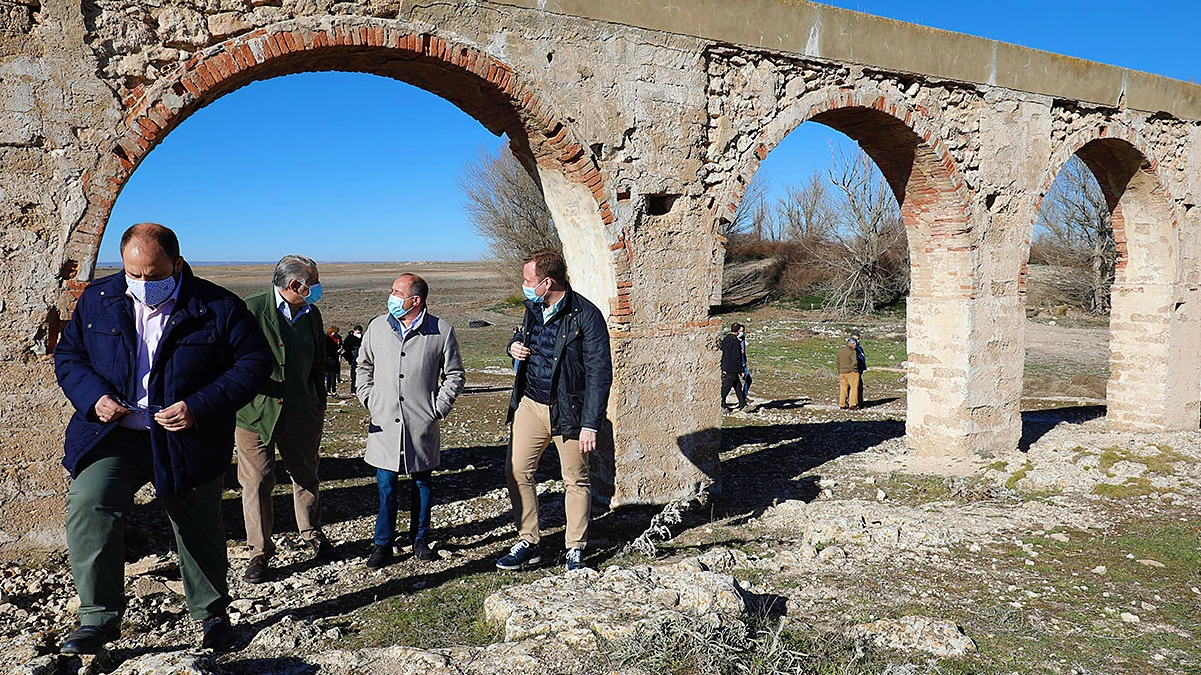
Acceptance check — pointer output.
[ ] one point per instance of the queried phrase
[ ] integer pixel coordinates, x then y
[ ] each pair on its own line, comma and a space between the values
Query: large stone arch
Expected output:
480, 84
902, 141
1154, 377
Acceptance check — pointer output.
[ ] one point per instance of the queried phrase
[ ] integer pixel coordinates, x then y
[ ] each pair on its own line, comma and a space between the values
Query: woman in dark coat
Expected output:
333, 360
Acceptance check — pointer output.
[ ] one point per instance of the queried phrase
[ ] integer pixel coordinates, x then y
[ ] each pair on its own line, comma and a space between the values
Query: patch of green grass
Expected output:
449, 615
1016, 476
1162, 462
998, 465
1109, 457
1133, 487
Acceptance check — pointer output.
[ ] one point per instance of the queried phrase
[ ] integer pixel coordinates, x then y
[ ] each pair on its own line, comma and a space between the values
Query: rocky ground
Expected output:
829, 549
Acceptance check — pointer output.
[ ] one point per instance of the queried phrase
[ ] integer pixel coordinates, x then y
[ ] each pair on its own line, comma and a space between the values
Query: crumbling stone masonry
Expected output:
643, 123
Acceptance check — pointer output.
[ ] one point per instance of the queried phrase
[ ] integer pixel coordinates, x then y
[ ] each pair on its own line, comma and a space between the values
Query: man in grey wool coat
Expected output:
409, 375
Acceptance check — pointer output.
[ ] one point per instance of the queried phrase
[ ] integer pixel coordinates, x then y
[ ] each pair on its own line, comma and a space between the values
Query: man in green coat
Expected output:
287, 415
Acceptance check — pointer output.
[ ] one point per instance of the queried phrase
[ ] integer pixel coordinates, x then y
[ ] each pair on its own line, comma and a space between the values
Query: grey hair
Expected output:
293, 268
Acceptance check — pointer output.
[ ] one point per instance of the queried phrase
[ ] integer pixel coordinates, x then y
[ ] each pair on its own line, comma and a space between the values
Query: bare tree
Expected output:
807, 214
1074, 230
868, 254
506, 207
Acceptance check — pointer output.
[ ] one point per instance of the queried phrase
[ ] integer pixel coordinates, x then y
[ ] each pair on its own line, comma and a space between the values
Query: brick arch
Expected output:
1150, 386
934, 201
901, 140
1122, 162
480, 84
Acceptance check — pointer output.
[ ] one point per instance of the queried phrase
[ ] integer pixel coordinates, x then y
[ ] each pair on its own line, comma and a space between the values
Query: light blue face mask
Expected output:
531, 294
396, 306
314, 294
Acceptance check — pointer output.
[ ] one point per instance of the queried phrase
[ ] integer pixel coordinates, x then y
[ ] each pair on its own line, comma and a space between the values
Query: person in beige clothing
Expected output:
287, 415
560, 393
848, 376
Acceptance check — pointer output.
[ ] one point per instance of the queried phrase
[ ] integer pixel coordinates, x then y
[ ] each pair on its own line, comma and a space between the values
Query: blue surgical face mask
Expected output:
396, 306
151, 293
531, 294
314, 294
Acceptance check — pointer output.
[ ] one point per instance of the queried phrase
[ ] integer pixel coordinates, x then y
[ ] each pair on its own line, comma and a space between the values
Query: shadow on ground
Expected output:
1036, 423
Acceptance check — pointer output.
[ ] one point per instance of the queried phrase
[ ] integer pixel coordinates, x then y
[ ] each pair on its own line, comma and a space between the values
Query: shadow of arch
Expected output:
1154, 384
487, 89
934, 201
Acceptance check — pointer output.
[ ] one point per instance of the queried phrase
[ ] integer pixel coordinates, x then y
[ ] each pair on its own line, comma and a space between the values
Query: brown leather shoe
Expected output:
256, 571
322, 549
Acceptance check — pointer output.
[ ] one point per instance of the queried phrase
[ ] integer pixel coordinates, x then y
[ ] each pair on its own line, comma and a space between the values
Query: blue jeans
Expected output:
421, 499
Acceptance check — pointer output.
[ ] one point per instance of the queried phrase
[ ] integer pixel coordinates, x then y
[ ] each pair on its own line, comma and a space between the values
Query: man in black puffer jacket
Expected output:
561, 390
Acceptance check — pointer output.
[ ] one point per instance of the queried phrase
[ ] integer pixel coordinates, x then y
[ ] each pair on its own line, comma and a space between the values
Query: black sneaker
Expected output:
89, 639
256, 571
380, 557
422, 551
575, 559
219, 636
522, 555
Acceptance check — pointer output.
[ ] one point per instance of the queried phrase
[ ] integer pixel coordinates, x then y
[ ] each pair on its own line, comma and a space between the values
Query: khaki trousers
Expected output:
848, 389
297, 436
530, 435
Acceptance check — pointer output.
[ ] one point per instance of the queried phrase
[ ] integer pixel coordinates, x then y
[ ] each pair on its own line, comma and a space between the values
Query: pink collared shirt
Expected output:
150, 324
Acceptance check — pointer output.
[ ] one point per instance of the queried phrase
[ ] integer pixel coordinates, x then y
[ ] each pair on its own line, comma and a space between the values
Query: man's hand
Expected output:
519, 352
108, 410
587, 441
175, 417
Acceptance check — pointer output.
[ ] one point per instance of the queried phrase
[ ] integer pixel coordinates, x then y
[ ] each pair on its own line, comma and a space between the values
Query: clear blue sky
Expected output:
352, 167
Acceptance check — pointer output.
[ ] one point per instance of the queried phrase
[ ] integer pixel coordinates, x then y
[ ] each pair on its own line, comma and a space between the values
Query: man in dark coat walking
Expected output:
156, 363
733, 364
560, 393
350, 352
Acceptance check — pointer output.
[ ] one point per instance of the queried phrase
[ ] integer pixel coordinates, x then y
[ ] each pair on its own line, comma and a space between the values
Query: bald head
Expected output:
154, 236
149, 252
411, 284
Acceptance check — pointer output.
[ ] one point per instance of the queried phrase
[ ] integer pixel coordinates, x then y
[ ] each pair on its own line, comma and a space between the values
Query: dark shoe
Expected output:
522, 555
380, 557
854, 407
89, 640
575, 559
256, 571
422, 551
842, 407
219, 636
322, 549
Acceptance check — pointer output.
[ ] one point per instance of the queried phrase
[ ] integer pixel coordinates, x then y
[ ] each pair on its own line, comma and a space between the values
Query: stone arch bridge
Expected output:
643, 123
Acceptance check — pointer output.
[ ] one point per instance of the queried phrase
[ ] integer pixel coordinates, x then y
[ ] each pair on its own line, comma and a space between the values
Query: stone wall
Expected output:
643, 132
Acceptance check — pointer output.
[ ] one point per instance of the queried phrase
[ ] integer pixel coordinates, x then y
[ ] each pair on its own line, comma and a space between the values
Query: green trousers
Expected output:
97, 503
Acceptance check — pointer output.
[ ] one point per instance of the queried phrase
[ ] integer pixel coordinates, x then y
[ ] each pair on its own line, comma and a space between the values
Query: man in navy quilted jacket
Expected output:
156, 362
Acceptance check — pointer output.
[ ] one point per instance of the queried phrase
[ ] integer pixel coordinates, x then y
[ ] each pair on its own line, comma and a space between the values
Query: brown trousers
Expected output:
297, 436
530, 436
848, 389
